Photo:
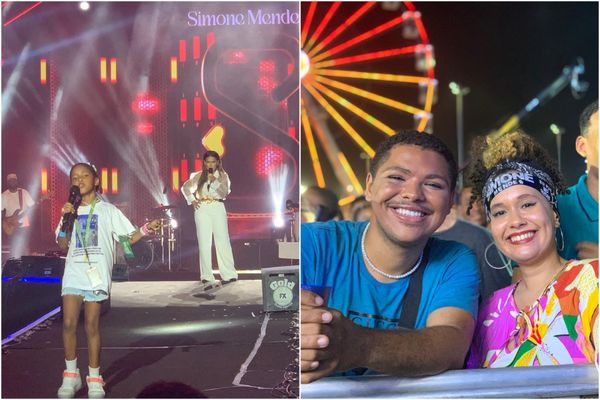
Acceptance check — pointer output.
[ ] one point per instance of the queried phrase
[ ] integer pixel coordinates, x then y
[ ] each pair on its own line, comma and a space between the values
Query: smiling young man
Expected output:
400, 302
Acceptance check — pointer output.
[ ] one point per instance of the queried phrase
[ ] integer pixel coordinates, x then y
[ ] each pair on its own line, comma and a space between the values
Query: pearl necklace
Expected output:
374, 268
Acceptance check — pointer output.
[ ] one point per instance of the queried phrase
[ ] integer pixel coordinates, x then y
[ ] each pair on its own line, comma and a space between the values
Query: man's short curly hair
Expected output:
416, 138
584, 118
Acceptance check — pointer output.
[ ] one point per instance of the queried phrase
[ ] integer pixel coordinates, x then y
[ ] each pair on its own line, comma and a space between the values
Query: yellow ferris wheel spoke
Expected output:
375, 76
350, 172
312, 148
341, 121
353, 18
369, 95
356, 110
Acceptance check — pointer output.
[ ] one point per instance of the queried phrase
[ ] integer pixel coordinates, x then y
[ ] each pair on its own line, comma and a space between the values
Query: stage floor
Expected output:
219, 342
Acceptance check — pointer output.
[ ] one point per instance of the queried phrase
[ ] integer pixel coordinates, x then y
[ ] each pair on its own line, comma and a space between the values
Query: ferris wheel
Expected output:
367, 70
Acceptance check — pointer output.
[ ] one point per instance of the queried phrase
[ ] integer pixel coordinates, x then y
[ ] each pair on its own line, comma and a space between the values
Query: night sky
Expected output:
507, 53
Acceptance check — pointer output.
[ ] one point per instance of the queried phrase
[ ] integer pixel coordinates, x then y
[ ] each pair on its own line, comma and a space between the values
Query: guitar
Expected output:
12, 222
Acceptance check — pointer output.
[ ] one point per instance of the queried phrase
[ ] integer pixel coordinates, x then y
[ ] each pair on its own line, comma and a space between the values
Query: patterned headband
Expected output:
510, 173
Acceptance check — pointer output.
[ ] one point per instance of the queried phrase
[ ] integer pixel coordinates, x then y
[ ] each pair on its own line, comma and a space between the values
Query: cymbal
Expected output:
164, 208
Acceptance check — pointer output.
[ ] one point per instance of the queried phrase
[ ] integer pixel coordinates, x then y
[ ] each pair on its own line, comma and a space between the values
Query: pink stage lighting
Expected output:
266, 66
236, 57
145, 103
268, 159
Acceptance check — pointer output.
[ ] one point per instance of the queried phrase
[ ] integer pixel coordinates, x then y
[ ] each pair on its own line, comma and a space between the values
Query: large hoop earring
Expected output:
507, 262
561, 246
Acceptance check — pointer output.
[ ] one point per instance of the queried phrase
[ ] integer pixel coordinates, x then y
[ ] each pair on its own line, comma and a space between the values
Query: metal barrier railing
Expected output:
522, 382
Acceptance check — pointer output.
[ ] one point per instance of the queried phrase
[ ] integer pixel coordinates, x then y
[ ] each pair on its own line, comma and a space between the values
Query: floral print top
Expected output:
555, 330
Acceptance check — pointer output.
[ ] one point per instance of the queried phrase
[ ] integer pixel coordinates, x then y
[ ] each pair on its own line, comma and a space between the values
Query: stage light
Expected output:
103, 69
174, 224
113, 70
183, 110
266, 66
44, 180
277, 184
268, 159
266, 84
179, 328
196, 48
197, 163
175, 179
84, 6
304, 64
212, 112
104, 179
145, 128
173, 69
236, 57
43, 70
184, 169
182, 51
197, 109
278, 221
145, 103
114, 181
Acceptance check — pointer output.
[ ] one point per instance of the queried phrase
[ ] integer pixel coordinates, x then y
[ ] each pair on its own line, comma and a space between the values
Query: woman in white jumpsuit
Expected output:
206, 191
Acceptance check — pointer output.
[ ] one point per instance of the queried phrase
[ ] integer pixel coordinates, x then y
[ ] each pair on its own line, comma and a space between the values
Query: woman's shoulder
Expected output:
581, 275
582, 267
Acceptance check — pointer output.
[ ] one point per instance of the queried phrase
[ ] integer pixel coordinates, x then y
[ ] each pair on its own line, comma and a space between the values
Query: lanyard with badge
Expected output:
92, 272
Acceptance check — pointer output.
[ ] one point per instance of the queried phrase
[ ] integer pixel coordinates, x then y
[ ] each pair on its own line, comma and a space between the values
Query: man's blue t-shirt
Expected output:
332, 257
578, 218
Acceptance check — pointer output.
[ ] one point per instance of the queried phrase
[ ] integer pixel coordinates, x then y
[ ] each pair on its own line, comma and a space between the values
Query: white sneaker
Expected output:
71, 383
95, 387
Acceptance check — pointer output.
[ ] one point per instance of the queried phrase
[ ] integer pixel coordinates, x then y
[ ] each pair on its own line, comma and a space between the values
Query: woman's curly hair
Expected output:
486, 152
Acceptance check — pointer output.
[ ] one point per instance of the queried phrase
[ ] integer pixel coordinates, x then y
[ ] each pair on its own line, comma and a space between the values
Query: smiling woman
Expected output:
548, 317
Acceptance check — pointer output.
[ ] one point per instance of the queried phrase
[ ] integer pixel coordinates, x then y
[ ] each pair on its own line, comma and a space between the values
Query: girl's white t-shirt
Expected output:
106, 225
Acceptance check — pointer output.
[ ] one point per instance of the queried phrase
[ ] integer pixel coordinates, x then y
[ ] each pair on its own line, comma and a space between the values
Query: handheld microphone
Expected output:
210, 171
69, 218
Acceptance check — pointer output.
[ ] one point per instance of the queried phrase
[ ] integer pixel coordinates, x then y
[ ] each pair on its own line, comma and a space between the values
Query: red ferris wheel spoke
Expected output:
367, 35
376, 55
322, 25
307, 22
340, 29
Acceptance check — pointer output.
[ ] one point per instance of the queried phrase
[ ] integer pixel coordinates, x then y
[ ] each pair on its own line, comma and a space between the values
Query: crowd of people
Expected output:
502, 272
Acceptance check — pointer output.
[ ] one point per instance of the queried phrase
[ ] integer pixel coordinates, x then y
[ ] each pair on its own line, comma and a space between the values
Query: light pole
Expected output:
558, 131
459, 91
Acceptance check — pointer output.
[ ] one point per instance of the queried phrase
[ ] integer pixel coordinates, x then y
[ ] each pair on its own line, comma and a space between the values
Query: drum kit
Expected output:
161, 245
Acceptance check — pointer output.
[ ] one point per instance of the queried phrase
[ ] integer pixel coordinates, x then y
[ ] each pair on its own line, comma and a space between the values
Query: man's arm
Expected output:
587, 250
341, 345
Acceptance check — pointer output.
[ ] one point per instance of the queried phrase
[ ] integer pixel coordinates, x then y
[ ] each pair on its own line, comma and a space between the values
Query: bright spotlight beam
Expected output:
277, 182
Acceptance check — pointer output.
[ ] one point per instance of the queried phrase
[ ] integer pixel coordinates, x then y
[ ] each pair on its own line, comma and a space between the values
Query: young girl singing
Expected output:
87, 275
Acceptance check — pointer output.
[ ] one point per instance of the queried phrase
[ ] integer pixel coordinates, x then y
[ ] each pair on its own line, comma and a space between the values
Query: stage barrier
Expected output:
523, 382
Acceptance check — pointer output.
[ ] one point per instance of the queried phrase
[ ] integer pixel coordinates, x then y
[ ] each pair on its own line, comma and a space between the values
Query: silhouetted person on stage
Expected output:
16, 227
